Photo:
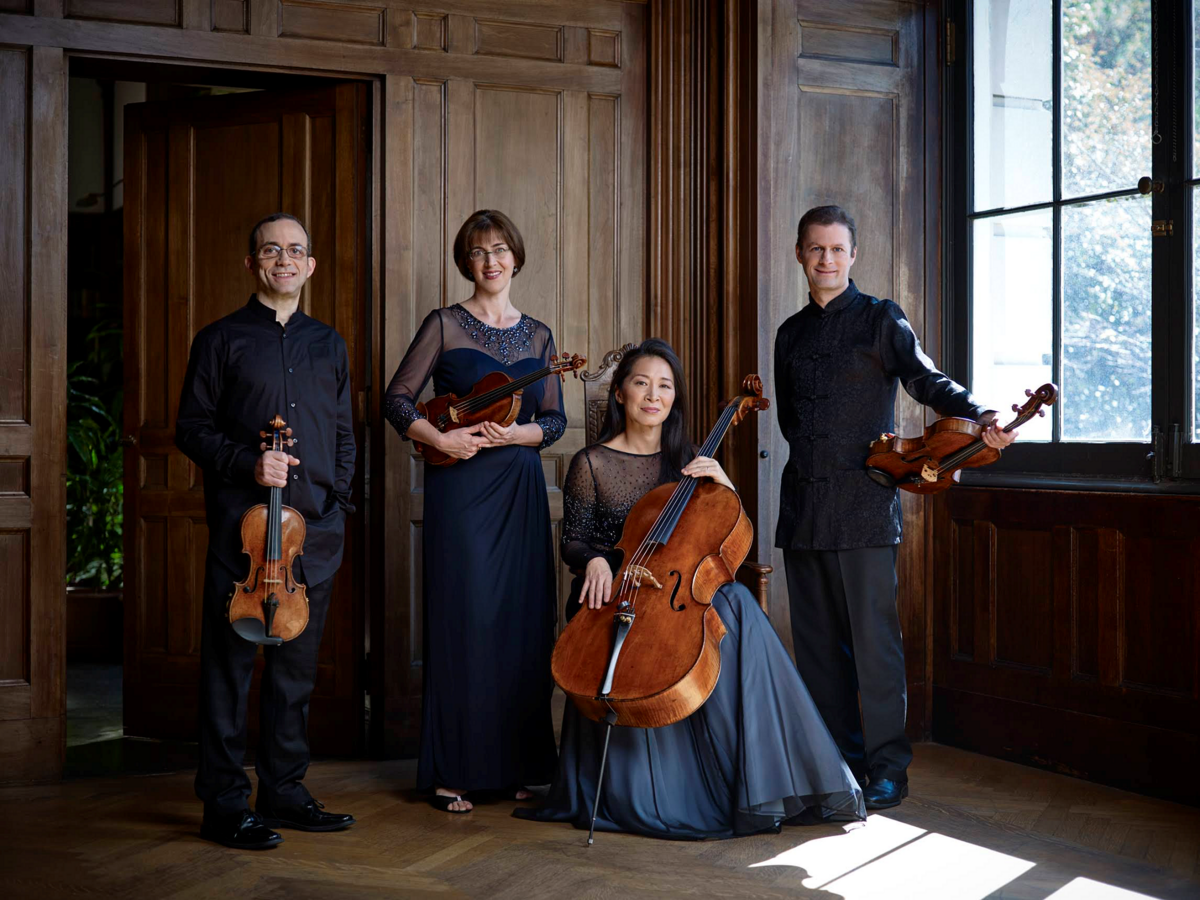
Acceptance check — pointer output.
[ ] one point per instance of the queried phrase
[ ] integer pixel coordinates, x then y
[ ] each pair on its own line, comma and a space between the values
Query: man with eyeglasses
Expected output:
267, 358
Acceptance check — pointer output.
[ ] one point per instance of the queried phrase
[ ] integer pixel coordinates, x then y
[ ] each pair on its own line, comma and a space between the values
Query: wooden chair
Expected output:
756, 576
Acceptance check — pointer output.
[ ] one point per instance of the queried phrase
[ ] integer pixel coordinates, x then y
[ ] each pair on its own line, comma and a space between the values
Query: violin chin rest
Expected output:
878, 476
252, 630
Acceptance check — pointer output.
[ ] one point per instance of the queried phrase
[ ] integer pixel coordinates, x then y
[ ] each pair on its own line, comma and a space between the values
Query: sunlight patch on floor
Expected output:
889, 860
1086, 889
892, 860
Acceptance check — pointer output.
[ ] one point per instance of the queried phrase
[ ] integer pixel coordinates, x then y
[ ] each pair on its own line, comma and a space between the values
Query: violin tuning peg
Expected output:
262, 446
262, 434
288, 432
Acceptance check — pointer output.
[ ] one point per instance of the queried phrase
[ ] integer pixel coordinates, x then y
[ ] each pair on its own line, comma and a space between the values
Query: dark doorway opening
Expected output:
100, 737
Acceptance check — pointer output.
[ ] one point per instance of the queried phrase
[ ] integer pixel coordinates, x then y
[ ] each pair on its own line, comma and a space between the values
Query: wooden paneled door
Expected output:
33, 385
544, 118
843, 85
198, 175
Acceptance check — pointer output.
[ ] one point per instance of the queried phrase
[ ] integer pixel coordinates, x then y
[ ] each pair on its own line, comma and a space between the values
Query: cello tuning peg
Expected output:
1042, 413
1028, 392
1016, 408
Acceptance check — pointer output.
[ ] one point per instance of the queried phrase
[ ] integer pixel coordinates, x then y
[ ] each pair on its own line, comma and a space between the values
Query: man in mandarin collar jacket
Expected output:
838, 364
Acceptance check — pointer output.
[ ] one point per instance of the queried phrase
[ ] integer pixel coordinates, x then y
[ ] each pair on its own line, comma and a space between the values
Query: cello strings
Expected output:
678, 501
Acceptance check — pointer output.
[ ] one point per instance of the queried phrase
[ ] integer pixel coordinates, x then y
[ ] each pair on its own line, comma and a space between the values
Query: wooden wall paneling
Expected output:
231, 15
519, 40
328, 21
429, 31
197, 15
841, 128
32, 430
16, 6
395, 687
1093, 654
144, 12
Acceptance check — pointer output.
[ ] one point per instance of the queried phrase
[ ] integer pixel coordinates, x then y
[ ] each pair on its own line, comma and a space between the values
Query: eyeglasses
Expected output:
478, 255
272, 251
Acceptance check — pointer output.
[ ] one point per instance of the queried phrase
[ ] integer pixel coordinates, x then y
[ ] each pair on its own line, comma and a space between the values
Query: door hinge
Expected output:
950, 34
1163, 228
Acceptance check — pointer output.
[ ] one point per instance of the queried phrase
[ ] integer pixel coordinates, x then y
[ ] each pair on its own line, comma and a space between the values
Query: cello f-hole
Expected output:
678, 582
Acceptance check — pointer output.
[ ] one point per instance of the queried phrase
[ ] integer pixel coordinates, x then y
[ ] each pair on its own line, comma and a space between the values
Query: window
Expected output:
1070, 145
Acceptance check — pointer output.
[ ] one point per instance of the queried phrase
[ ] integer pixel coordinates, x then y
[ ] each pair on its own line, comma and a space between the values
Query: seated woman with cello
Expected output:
756, 755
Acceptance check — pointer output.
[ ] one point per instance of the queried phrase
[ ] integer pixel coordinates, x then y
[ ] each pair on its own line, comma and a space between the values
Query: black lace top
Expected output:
454, 328
602, 487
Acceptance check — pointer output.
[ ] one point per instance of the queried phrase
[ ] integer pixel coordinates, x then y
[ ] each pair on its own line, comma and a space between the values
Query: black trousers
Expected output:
846, 634
226, 667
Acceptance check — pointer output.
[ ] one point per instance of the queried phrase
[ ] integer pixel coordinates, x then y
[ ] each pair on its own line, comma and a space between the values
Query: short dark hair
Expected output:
275, 217
480, 222
828, 215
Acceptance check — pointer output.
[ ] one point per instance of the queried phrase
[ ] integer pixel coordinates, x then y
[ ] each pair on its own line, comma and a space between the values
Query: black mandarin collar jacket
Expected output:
242, 370
836, 373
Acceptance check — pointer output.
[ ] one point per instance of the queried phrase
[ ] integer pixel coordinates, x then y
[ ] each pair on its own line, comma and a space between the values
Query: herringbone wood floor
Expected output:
137, 837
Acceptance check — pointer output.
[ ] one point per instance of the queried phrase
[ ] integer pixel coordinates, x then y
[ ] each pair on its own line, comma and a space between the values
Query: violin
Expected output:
932, 462
655, 658
270, 606
493, 398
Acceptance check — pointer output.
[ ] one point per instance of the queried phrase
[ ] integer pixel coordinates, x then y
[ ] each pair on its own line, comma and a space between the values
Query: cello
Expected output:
653, 657
270, 606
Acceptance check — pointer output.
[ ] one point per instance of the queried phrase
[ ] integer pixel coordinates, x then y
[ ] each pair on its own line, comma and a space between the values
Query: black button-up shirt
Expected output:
243, 370
836, 372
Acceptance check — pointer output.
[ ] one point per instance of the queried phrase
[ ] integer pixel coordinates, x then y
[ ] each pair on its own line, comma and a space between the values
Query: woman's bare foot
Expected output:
523, 794
462, 805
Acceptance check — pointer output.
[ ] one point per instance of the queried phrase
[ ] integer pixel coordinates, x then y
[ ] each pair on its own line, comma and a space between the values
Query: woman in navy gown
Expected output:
756, 755
489, 593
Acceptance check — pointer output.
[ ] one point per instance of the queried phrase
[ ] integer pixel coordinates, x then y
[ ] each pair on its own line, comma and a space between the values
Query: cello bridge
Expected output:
930, 472
640, 574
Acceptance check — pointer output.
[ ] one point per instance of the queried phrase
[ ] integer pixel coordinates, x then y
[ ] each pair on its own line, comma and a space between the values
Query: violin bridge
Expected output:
930, 472
640, 574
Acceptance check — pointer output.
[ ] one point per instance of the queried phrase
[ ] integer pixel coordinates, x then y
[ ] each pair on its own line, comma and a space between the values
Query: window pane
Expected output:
1012, 318
1012, 103
1196, 305
1106, 320
1196, 92
1106, 95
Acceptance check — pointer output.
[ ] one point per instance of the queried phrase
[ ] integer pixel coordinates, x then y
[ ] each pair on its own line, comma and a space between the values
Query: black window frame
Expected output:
1170, 462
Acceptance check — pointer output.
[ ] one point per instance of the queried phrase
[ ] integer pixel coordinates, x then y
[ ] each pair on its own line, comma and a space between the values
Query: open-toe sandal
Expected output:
442, 802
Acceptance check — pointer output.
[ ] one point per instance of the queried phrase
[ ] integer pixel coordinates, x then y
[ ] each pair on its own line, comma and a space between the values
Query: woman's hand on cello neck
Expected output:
704, 467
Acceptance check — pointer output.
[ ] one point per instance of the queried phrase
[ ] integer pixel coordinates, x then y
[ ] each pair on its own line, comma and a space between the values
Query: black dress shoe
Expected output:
884, 793
306, 817
243, 830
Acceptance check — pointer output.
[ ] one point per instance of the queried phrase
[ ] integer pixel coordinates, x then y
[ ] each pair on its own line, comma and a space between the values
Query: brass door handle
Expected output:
1147, 185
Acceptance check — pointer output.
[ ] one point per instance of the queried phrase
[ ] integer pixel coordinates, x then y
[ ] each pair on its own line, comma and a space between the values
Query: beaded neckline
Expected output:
503, 343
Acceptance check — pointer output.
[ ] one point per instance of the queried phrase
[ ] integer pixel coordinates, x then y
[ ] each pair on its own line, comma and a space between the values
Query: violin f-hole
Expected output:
678, 582
252, 588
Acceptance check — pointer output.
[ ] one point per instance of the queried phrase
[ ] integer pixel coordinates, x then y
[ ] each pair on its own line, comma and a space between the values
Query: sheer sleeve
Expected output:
550, 413
400, 401
580, 514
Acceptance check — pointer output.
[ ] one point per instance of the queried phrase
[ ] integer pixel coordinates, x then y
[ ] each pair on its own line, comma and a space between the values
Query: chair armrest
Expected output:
760, 576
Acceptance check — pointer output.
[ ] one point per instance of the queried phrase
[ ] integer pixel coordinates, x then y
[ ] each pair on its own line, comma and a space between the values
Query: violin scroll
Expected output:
561, 364
1043, 396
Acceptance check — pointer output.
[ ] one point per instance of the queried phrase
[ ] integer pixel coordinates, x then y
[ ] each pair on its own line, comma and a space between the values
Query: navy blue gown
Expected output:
489, 596
754, 757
